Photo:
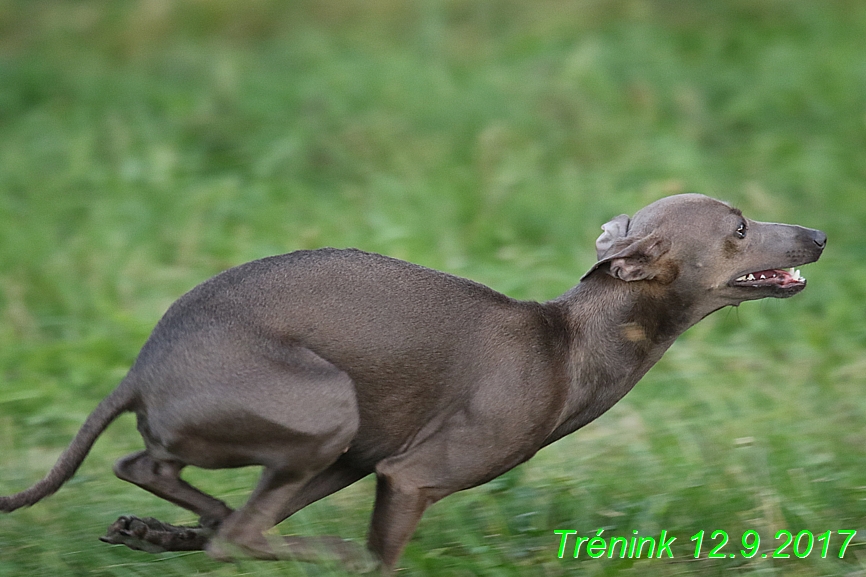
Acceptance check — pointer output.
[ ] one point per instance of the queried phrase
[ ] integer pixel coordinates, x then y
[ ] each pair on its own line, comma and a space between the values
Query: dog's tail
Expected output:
121, 400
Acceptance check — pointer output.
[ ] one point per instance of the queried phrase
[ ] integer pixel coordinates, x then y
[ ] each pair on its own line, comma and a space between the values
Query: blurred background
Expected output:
147, 145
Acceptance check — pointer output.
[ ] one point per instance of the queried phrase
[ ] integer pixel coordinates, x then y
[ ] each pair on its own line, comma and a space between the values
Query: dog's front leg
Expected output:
399, 506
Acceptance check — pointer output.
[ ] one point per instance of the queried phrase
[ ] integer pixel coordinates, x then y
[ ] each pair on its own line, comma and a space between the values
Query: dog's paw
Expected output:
154, 536
326, 549
361, 561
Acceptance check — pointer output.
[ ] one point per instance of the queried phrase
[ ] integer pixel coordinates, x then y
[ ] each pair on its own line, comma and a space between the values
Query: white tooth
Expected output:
795, 274
751, 277
763, 276
742, 278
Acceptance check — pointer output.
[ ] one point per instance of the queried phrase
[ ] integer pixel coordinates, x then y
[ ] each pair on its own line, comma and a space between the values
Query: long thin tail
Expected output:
122, 399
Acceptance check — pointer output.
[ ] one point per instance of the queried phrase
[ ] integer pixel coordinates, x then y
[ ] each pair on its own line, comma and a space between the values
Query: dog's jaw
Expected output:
778, 283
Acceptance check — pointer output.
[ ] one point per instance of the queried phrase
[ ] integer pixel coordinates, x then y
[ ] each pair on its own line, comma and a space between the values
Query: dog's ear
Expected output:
639, 259
614, 230
628, 259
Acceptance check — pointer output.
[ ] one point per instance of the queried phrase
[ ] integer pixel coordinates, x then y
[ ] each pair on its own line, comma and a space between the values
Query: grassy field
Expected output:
147, 145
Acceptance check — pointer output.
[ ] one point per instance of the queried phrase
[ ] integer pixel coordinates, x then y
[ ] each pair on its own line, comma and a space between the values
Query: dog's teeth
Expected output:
742, 278
751, 277
795, 274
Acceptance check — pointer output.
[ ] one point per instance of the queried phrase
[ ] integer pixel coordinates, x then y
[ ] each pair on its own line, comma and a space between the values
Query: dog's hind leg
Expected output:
295, 416
305, 470
291, 412
243, 532
336, 477
162, 478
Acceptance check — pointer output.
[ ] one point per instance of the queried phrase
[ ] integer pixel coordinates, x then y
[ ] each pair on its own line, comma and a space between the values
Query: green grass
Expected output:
145, 146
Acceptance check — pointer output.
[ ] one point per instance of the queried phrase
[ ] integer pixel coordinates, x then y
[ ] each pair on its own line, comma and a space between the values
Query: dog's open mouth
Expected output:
777, 278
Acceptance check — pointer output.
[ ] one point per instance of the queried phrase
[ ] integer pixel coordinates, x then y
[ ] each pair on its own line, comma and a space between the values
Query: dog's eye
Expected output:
741, 230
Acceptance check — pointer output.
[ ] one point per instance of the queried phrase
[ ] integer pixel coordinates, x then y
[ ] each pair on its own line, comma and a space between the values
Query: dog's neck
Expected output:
619, 330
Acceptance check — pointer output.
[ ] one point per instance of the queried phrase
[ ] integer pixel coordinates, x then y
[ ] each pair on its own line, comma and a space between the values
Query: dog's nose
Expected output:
820, 238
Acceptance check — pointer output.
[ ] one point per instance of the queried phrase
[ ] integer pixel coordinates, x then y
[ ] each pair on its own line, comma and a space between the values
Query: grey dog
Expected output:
325, 366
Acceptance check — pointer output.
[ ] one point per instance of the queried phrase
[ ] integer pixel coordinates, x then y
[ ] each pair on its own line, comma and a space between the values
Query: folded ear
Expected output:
639, 260
628, 259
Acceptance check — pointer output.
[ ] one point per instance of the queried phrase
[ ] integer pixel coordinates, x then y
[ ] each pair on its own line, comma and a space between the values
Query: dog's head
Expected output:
698, 244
